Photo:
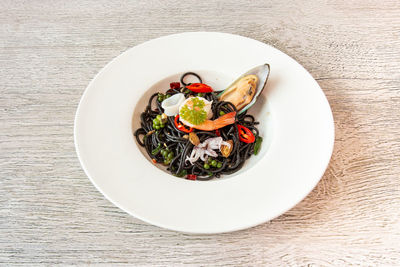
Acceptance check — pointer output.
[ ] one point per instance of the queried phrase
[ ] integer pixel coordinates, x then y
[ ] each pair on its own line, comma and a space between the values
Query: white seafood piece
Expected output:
171, 105
205, 149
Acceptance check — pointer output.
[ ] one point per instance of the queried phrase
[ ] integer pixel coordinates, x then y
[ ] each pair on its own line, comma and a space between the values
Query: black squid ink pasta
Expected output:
174, 144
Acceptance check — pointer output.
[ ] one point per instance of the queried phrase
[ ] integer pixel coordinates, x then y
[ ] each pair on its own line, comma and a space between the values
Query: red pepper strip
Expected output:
191, 176
217, 132
245, 135
175, 85
180, 126
199, 88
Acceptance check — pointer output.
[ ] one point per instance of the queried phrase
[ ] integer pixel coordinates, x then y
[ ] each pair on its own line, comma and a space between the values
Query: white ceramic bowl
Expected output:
296, 123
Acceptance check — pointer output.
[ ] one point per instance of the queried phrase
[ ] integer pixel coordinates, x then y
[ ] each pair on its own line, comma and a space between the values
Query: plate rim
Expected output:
255, 223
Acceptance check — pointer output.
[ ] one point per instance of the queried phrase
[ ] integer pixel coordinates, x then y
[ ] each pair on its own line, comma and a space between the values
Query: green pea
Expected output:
156, 122
157, 127
170, 155
162, 125
221, 113
167, 96
214, 163
158, 117
163, 152
200, 94
219, 164
206, 166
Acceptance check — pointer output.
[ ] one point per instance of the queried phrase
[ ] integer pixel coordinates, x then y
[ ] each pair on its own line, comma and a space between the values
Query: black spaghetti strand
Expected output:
187, 74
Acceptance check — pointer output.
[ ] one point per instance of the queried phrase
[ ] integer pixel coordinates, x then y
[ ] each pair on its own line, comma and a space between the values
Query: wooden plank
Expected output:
50, 212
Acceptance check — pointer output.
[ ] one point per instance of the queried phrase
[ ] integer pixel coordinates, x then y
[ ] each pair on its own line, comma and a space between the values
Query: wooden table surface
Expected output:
51, 213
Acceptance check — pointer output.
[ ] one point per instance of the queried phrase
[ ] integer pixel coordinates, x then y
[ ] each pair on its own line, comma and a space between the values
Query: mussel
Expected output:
243, 92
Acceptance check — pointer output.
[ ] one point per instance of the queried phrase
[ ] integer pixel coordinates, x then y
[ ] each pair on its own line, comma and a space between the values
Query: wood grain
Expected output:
51, 214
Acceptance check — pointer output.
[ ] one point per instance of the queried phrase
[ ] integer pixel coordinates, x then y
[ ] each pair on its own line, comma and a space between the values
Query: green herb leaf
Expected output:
257, 145
155, 151
182, 173
195, 114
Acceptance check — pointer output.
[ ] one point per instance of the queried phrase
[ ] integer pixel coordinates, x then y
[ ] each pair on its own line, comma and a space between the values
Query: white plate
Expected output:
296, 122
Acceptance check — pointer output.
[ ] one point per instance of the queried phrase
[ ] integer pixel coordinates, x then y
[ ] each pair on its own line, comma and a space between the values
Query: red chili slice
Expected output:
199, 88
175, 85
217, 132
180, 126
191, 176
245, 135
